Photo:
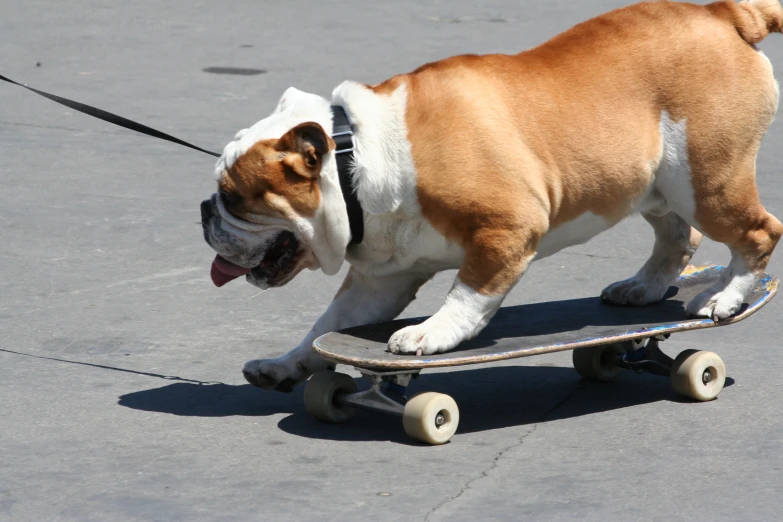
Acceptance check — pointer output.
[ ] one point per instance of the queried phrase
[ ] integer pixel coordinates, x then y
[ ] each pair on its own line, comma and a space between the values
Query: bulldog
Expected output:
486, 163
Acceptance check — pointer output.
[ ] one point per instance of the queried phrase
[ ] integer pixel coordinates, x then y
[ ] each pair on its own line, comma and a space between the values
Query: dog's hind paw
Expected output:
716, 306
635, 291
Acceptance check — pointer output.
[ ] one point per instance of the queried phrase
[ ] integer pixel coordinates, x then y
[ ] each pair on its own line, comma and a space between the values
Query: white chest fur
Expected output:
394, 245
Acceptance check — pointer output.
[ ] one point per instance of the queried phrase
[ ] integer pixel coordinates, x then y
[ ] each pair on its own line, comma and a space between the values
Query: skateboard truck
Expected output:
650, 359
386, 392
429, 417
647, 358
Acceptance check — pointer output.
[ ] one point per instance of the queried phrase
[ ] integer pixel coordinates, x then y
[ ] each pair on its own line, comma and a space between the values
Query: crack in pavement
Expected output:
496, 459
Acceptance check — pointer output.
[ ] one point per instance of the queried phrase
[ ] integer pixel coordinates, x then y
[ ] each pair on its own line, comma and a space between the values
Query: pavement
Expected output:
121, 393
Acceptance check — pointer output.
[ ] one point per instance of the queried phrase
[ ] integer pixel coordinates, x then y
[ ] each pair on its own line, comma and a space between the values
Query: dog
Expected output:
486, 163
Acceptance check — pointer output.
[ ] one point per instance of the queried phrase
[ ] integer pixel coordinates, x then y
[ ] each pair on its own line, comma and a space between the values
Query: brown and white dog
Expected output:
485, 163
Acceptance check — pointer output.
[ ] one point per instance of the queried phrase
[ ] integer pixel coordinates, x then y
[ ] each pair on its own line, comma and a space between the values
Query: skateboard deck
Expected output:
532, 329
605, 339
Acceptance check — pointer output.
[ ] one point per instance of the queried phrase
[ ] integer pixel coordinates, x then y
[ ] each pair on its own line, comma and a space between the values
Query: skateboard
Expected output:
605, 339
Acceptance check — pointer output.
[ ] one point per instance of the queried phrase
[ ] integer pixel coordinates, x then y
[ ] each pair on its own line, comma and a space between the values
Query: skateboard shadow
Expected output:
213, 400
489, 398
500, 397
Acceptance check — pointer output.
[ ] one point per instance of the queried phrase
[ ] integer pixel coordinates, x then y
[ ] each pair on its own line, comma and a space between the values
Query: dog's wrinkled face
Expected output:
264, 221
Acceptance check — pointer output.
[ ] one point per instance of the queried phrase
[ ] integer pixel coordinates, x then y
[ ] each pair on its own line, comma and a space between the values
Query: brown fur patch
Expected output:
249, 186
509, 147
274, 176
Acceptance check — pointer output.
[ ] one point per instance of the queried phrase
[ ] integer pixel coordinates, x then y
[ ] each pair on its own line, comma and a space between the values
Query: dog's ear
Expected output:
304, 147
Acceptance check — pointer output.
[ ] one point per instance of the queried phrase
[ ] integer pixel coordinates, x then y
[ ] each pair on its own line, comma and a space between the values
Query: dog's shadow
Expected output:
488, 398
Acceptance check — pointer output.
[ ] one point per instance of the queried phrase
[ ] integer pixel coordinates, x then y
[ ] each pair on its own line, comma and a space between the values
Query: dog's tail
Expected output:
753, 19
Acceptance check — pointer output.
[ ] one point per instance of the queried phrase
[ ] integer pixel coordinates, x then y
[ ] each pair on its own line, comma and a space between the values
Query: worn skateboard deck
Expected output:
531, 329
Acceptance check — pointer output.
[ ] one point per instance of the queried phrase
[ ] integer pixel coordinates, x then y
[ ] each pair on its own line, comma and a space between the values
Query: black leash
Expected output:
109, 117
342, 135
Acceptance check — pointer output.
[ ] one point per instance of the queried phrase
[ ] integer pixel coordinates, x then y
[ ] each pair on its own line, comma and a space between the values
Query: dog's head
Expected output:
278, 208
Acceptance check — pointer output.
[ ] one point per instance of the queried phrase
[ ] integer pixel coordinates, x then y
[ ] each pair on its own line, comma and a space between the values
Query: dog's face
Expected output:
269, 218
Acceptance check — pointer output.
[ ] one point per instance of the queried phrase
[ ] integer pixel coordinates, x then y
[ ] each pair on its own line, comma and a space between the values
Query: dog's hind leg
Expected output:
730, 212
675, 243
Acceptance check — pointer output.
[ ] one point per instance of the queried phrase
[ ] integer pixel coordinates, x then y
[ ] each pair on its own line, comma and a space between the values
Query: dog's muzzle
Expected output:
276, 260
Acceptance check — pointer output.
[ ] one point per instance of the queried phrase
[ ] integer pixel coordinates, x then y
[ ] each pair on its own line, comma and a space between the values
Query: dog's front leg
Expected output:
494, 262
360, 300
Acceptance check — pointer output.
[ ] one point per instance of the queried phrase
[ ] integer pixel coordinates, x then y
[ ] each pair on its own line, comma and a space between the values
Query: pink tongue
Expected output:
224, 271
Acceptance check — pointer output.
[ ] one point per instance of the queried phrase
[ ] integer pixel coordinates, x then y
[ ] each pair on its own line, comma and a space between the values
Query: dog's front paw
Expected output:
284, 373
422, 339
635, 291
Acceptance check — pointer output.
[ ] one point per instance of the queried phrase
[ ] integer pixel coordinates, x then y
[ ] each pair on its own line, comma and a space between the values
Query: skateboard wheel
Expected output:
698, 375
321, 391
431, 417
595, 362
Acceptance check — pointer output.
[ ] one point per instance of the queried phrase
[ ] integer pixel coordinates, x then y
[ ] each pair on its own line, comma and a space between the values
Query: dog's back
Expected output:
589, 100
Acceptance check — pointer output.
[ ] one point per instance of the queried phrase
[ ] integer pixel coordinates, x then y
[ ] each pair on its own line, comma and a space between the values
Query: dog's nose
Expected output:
206, 210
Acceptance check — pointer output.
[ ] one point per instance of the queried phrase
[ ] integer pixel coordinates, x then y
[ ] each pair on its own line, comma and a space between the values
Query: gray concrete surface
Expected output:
121, 396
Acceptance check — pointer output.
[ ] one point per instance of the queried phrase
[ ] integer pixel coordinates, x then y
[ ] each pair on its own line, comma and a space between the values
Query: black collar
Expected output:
342, 134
